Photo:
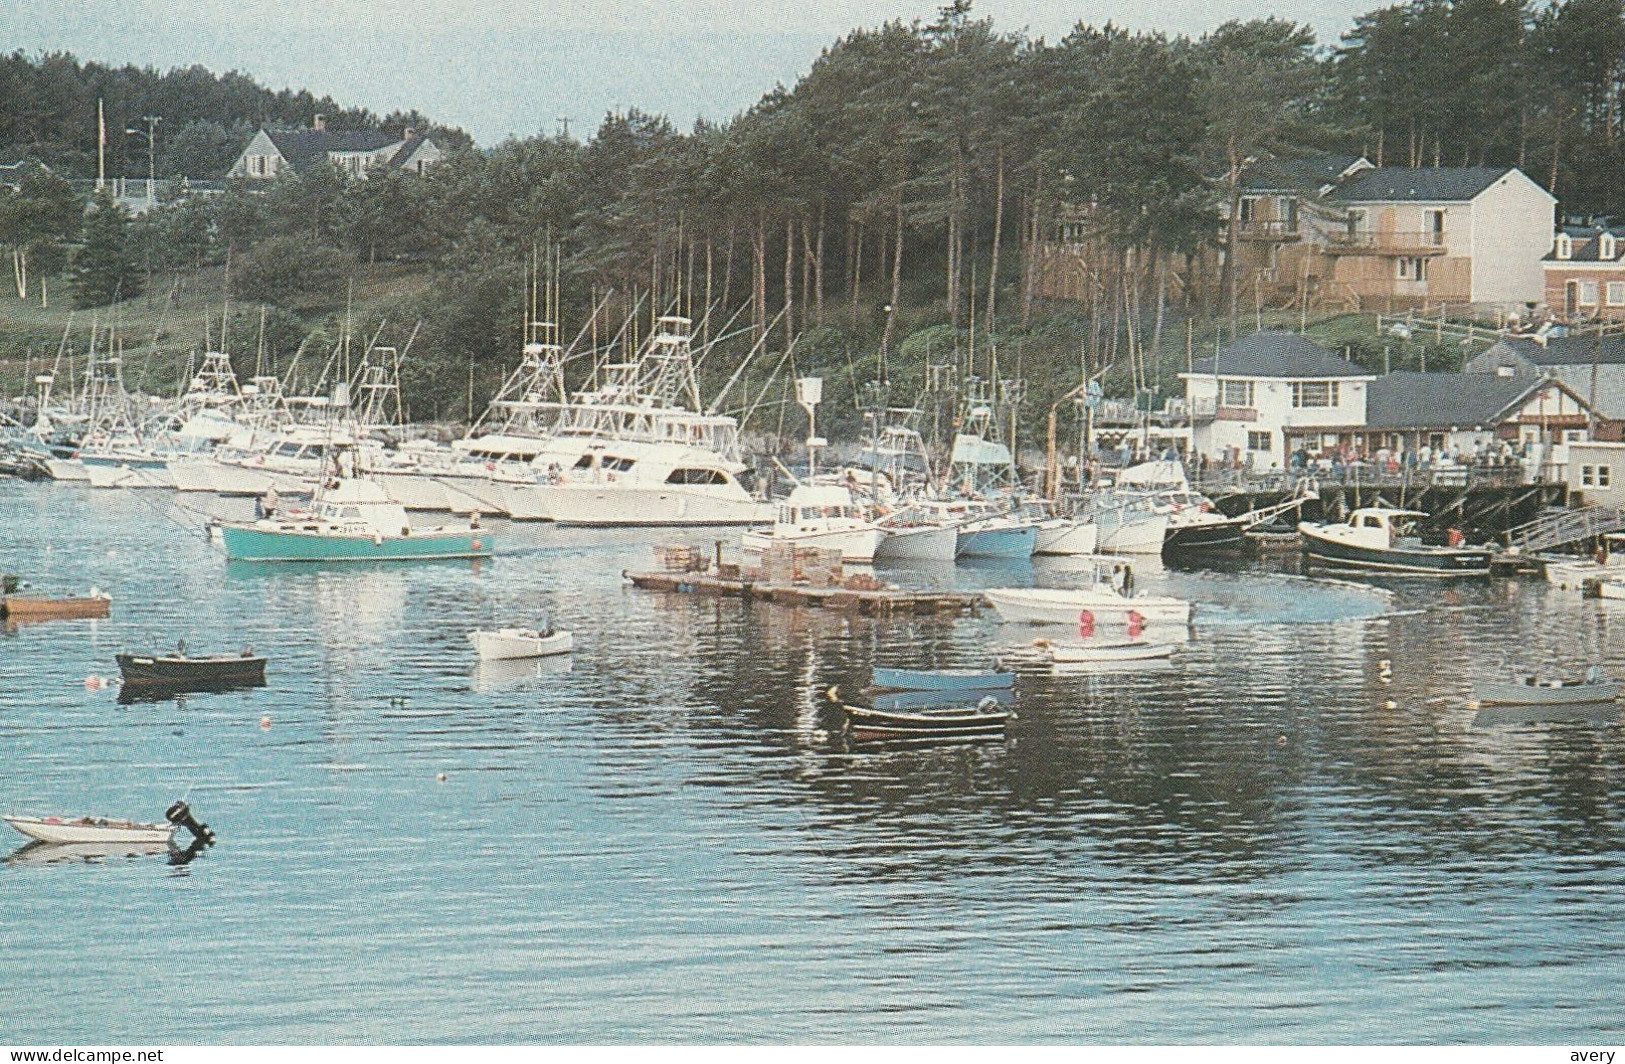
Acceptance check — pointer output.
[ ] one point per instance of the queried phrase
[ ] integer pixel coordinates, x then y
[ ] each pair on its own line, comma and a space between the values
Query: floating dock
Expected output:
884, 602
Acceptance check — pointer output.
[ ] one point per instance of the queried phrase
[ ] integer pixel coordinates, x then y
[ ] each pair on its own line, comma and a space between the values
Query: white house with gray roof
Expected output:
360, 153
1269, 392
1457, 234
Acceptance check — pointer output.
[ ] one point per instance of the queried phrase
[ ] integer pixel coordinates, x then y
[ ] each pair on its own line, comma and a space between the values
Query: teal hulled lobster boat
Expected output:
350, 521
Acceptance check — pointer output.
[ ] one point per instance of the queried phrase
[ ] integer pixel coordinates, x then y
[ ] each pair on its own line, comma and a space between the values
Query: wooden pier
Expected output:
883, 602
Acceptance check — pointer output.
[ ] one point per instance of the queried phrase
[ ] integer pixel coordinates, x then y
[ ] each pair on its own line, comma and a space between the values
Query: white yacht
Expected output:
638, 449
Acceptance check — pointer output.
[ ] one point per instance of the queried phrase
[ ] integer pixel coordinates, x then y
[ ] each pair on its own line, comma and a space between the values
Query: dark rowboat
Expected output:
965, 722
176, 670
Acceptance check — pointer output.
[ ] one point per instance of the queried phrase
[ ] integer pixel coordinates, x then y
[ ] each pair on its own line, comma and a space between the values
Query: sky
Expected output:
516, 67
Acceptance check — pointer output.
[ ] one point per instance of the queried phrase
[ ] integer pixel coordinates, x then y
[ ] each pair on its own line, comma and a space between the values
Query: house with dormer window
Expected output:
1585, 272
359, 153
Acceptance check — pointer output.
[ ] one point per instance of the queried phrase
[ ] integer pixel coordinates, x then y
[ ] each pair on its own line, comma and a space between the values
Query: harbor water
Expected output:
665, 838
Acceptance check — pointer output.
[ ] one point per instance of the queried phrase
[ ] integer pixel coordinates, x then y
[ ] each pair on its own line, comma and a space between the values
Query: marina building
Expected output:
1256, 400
1274, 394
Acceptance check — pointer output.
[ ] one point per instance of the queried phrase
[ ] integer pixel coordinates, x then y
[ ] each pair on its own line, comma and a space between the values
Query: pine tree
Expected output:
104, 270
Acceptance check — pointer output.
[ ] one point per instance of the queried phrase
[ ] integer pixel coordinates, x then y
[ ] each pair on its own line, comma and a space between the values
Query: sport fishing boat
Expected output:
351, 520
1382, 539
637, 448
650, 483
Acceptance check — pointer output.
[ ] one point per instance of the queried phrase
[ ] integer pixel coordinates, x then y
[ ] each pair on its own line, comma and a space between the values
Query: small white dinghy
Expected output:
87, 829
1047, 652
510, 644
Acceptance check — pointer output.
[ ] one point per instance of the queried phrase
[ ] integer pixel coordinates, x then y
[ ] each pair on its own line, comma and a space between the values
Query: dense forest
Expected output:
882, 210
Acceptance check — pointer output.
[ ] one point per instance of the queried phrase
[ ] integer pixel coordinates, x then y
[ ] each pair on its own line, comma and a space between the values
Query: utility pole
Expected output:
151, 133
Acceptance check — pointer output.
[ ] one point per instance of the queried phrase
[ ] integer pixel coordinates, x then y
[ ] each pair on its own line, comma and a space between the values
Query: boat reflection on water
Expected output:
152, 692
1582, 713
1115, 668
496, 675
43, 853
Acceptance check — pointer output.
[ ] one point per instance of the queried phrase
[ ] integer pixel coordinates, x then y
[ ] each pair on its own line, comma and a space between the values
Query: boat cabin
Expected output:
353, 506
1382, 528
816, 507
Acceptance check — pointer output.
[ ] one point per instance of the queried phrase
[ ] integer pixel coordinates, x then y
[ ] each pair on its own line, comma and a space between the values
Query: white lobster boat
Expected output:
917, 542
817, 515
1066, 537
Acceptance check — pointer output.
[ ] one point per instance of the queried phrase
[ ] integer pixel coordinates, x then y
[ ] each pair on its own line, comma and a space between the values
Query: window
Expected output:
1314, 393
1565, 246
1413, 269
1356, 222
1236, 393
1616, 293
1249, 209
1605, 246
696, 476
1588, 293
1258, 441
1433, 227
1372, 522
1588, 476
1604, 475
1289, 213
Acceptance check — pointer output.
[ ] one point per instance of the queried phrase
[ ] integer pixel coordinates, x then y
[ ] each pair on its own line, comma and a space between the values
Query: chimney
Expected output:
319, 123
409, 133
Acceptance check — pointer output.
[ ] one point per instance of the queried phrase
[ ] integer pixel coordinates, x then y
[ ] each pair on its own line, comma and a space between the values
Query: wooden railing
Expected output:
1379, 242
1268, 229
1565, 527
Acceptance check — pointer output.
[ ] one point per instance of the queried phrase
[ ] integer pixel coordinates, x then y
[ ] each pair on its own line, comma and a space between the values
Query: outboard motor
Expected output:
180, 814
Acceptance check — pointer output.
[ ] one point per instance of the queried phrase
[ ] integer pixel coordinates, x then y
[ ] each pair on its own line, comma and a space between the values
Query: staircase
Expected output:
1562, 527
